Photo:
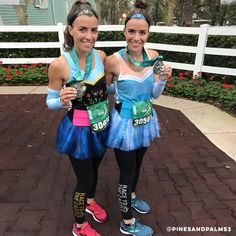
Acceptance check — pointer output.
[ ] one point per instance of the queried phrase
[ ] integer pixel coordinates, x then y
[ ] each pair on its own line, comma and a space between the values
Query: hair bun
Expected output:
141, 4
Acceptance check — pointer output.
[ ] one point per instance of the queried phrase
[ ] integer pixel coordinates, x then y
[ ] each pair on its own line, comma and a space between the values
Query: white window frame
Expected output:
41, 4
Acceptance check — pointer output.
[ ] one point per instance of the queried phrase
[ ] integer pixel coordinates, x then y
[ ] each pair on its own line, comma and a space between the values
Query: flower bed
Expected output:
207, 90
36, 74
184, 85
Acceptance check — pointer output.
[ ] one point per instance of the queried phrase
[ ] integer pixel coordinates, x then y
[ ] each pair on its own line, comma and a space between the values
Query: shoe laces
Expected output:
95, 207
137, 225
88, 227
137, 201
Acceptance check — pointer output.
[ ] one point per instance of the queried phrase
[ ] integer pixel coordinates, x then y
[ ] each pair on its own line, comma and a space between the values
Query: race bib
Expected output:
142, 112
98, 116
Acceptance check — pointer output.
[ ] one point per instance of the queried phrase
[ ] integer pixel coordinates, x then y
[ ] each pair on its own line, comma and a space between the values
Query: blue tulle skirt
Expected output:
123, 135
79, 141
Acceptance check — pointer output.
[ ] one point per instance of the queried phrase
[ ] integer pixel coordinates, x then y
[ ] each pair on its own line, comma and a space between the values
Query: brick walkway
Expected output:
185, 178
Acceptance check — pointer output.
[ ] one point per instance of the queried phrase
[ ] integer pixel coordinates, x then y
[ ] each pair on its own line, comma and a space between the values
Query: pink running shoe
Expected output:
97, 212
85, 230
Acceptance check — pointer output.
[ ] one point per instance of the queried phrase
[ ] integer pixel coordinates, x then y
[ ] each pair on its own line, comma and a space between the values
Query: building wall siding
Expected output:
56, 12
36, 16
8, 15
60, 10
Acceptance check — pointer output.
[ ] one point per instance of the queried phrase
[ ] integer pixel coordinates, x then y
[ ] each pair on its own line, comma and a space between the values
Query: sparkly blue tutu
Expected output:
79, 141
124, 136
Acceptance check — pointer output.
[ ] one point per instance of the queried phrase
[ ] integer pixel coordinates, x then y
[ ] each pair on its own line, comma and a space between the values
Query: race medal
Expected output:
80, 88
142, 112
98, 116
157, 67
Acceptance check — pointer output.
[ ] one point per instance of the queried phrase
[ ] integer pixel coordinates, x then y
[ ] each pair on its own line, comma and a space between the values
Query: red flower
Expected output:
181, 77
169, 80
9, 76
18, 73
24, 66
170, 85
45, 71
186, 73
181, 74
227, 86
7, 69
35, 65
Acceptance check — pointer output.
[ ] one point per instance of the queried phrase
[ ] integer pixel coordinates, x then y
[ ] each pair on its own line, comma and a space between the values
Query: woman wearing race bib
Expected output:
138, 75
77, 84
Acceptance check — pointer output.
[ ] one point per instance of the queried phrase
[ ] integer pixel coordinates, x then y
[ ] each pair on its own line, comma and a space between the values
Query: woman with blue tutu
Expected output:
77, 84
138, 75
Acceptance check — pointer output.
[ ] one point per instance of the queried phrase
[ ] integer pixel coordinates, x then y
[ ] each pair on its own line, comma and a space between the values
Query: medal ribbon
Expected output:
146, 62
88, 65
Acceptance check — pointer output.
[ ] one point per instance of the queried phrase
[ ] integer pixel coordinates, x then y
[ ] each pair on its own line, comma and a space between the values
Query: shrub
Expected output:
200, 89
35, 74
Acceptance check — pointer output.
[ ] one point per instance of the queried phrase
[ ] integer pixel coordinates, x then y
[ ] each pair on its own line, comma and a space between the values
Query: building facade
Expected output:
41, 12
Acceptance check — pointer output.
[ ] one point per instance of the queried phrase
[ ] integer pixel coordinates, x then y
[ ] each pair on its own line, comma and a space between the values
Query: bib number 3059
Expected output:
142, 113
98, 116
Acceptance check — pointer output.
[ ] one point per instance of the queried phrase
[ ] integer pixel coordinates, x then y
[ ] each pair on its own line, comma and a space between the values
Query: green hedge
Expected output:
178, 39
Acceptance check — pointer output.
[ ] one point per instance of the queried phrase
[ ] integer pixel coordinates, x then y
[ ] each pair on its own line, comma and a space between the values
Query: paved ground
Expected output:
185, 178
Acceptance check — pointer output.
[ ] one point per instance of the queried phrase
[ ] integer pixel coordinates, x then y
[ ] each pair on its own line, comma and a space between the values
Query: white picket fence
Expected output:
200, 50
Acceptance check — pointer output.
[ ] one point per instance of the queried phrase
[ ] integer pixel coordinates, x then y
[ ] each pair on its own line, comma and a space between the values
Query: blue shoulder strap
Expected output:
122, 53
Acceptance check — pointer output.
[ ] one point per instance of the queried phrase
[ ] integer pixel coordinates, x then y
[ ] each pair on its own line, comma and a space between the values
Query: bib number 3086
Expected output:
142, 113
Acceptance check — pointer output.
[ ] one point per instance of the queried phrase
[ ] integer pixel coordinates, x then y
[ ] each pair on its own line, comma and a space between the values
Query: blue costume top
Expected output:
131, 87
79, 141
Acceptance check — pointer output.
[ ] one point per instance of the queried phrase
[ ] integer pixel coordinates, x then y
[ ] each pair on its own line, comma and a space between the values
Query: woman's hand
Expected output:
66, 95
166, 72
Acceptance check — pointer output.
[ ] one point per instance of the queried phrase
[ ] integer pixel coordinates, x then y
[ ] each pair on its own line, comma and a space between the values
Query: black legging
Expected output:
86, 172
129, 164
